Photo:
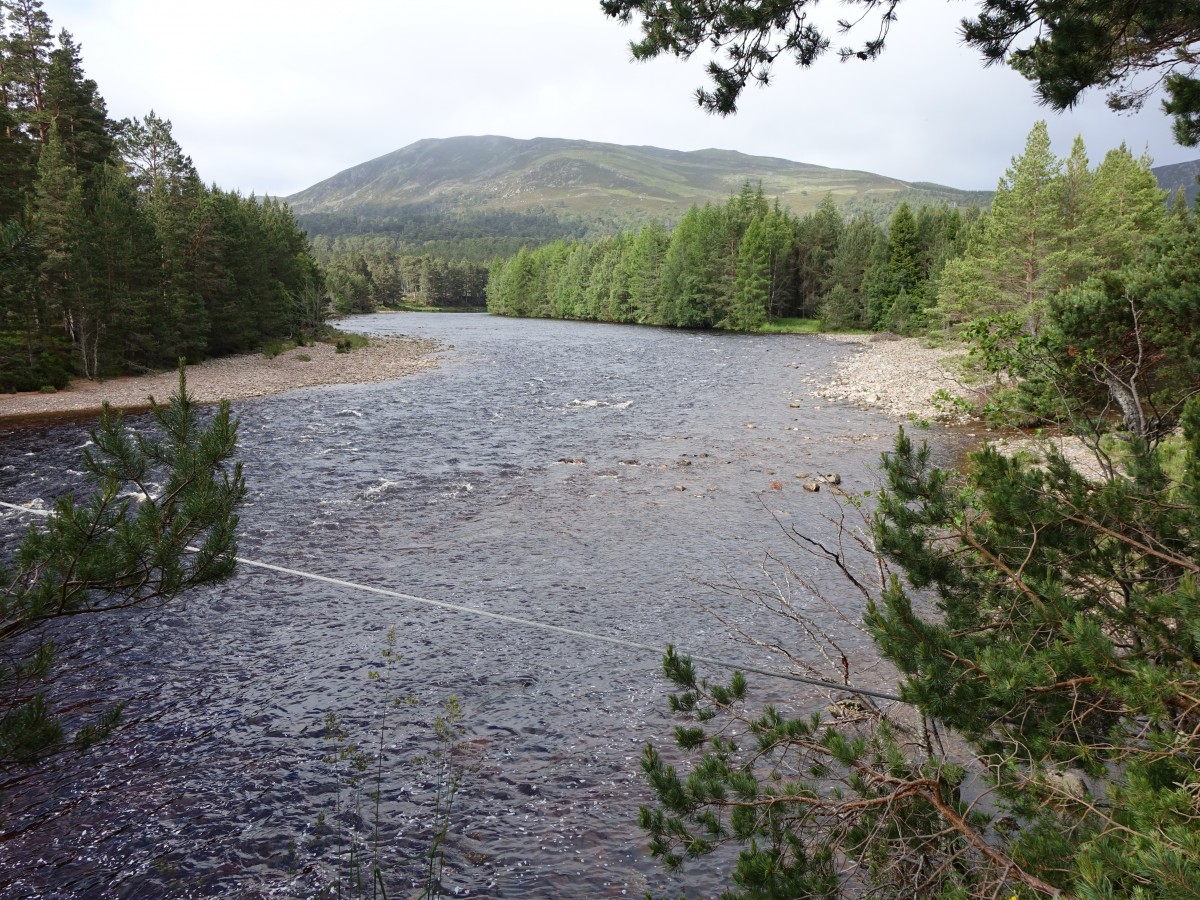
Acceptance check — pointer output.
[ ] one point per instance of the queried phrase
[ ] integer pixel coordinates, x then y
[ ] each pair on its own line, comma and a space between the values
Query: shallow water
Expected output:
596, 477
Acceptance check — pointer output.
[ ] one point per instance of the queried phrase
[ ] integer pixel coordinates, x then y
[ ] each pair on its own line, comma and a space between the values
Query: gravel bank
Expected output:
897, 375
900, 375
237, 377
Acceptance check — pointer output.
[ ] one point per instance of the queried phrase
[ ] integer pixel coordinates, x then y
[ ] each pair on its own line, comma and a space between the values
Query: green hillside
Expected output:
466, 188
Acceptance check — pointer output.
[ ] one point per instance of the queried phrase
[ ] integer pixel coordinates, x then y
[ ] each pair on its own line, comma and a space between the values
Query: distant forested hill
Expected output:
475, 197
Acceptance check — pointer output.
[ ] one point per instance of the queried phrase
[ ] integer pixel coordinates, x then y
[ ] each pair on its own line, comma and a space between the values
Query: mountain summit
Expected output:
597, 186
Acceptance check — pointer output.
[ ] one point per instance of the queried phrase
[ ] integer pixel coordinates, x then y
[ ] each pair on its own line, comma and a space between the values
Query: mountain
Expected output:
478, 187
1180, 175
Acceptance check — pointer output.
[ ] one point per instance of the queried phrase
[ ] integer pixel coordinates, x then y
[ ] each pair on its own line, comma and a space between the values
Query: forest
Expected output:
363, 280
115, 257
1053, 222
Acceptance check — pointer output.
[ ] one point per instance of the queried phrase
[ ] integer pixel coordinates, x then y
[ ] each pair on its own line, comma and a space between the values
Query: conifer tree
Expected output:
646, 260
752, 288
111, 552
572, 280
1078, 255
74, 104
1129, 208
119, 277
876, 286
58, 217
845, 303
694, 270
619, 304
1013, 261
25, 51
601, 275
817, 237
905, 276
1044, 617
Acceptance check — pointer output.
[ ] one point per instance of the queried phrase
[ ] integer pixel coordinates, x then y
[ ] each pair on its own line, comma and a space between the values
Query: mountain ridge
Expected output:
498, 188
582, 178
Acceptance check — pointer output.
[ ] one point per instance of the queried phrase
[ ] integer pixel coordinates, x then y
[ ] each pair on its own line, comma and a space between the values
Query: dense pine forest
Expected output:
746, 262
362, 280
115, 256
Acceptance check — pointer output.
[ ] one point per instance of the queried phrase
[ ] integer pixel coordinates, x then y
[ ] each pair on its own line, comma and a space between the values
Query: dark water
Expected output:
446, 485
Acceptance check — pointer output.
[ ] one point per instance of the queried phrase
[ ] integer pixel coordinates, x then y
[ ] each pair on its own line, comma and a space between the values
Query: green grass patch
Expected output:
413, 307
790, 326
346, 341
1174, 457
272, 349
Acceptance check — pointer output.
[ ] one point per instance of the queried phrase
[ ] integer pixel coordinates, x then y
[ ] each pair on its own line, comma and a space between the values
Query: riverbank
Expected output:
236, 378
902, 376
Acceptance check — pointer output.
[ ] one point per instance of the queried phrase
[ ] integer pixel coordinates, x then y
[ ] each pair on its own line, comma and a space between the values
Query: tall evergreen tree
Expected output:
26, 65
58, 218
694, 280
1129, 208
74, 104
752, 289
1078, 254
646, 261
119, 278
845, 302
1013, 262
905, 275
817, 237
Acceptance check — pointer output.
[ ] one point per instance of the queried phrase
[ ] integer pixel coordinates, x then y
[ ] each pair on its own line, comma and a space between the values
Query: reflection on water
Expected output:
588, 476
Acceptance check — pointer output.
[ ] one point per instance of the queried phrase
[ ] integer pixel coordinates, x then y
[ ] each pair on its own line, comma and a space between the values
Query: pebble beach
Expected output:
235, 378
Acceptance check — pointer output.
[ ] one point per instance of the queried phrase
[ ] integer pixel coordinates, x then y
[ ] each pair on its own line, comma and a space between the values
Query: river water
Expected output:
599, 477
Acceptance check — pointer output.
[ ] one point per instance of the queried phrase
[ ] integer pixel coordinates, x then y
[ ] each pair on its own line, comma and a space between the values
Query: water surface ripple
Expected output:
588, 476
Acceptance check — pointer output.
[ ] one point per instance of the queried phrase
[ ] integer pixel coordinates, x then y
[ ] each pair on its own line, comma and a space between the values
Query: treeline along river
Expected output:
596, 477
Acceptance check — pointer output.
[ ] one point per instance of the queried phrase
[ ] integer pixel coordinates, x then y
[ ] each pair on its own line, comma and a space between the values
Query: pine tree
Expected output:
1012, 262
58, 217
74, 104
817, 237
876, 286
110, 552
119, 277
26, 64
752, 289
170, 193
845, 303
646, 262
619, 305
605, 257
1129, 340
1128, 207
1078, 256
572, 280
696, 283
904, 271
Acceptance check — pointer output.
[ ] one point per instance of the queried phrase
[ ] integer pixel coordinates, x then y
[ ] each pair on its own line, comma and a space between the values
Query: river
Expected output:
598, 477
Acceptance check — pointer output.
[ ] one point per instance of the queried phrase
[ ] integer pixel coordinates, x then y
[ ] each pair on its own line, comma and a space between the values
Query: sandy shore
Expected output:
236, 378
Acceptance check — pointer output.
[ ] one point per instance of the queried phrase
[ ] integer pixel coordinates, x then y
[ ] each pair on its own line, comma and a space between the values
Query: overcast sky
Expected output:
272, 97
